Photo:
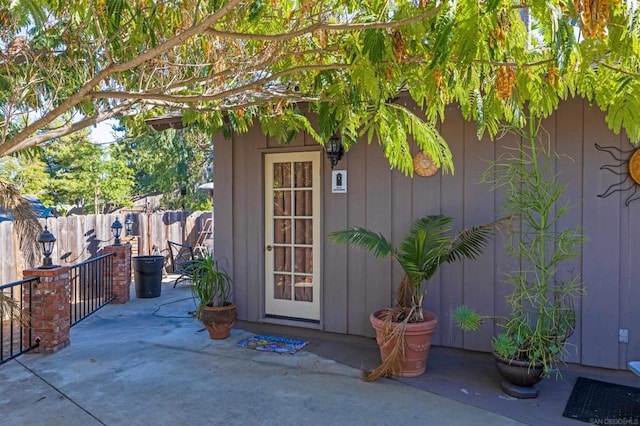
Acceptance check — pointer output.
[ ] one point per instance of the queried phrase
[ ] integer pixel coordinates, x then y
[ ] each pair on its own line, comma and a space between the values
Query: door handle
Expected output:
269, 247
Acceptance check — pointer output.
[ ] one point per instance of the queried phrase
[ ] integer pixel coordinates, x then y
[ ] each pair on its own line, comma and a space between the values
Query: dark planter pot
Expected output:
219, 320
417, 342
520, 377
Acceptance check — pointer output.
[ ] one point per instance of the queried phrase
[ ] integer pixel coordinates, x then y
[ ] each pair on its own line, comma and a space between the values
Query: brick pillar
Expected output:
135, 244
121, 272
50, 302
134, 240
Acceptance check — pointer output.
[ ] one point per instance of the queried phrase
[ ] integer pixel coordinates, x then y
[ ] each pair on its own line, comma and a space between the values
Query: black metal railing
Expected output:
16, 334
91, 286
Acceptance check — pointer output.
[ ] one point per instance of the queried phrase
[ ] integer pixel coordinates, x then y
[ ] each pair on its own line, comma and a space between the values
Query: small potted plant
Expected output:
534, 335
404, 331
211, 287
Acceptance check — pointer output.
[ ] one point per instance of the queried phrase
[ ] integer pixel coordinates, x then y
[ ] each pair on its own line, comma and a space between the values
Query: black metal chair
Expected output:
181, 257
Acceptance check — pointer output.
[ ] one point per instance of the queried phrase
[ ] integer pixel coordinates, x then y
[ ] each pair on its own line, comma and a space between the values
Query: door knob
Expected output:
269, 247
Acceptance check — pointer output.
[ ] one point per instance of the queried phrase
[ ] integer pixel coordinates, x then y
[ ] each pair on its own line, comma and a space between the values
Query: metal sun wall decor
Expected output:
631, 173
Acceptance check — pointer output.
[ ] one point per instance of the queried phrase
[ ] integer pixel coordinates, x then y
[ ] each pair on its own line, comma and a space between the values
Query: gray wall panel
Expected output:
502, 262
569, 143
601, 256
223, 240
254, 220
451, 204
630, 284
334, 280
426, 201
478, 210
379, 286
355, 265
401, 217
240, 208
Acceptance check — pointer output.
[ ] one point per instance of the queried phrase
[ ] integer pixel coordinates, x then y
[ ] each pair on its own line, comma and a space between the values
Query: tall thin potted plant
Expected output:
542, 317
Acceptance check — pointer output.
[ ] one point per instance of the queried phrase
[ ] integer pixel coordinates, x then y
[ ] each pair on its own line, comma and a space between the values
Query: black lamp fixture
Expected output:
335, 150
46, 241
128, 224
116, 229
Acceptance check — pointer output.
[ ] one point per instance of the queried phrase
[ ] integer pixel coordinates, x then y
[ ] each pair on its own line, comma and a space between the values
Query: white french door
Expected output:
292, 235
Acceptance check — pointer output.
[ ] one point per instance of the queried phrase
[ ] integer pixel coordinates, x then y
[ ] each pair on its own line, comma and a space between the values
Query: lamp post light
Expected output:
128, 224
335, 150
46, 241
116, 229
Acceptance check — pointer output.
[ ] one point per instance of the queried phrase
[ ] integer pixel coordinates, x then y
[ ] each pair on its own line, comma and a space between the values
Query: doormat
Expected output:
280, 345
596, 402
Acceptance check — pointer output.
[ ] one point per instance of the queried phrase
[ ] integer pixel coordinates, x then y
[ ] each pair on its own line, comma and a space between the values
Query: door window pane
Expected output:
303, 176
304, 231
282, 231
282, 259
304, 203
281, 175
282, 287
304, 260
303, 288
281, 203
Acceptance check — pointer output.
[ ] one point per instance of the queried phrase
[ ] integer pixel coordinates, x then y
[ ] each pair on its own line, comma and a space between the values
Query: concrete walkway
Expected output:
148, 363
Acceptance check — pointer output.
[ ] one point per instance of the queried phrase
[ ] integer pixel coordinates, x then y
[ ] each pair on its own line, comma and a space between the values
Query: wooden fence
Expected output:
79, 238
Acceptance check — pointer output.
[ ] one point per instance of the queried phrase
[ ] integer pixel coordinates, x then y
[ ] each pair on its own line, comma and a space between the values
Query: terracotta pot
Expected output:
519, 373
417, 342
219, 320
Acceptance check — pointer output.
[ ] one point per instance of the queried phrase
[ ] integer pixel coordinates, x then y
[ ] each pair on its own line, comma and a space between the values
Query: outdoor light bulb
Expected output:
46, 241
335, 150
116, 229
128, 224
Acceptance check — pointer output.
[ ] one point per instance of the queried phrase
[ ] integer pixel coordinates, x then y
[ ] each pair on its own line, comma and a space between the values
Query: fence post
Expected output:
49, 300
120, 272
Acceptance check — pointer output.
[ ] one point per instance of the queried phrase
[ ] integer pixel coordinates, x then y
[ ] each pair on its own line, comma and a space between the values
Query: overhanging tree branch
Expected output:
16, 143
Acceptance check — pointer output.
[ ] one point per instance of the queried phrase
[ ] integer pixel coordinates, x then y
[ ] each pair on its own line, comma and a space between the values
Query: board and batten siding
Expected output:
354, 283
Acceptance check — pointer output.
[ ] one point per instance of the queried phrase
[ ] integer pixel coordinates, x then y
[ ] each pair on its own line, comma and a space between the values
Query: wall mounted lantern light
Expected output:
46, 241
116, 229
335, 150
128, 224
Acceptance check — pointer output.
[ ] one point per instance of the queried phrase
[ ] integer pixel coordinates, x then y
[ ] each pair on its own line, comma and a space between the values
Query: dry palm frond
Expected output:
404, 293
10, 308
393, 365
26, 223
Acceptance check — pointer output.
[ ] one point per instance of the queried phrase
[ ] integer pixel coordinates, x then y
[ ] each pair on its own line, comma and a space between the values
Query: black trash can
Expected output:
147, 271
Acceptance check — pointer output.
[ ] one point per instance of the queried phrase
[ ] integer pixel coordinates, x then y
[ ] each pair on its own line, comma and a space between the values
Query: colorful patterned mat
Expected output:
279, 345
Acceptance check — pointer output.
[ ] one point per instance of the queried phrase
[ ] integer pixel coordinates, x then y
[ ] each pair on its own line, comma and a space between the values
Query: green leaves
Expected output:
392, 124
114, 19
344, 59
466, 318
374, 45
427, 245
443, 34
624, 107
256, 9
377, 244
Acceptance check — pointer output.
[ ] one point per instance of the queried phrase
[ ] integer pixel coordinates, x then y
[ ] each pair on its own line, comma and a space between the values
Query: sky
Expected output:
102, 133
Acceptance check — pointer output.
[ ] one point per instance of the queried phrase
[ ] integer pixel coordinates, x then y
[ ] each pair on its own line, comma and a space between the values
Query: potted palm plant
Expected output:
211, 287
404, 331
542, 317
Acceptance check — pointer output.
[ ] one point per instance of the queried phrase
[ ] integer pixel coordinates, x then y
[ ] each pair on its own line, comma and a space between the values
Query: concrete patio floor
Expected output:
149, 363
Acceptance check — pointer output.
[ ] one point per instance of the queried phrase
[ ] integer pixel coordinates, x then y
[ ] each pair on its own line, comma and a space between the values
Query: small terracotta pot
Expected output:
418, 338
219, 320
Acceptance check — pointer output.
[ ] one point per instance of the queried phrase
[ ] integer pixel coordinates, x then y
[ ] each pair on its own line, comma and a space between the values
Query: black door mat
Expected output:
593, 401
